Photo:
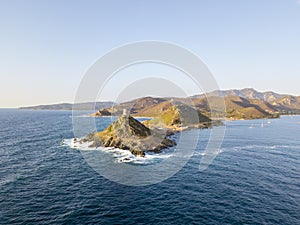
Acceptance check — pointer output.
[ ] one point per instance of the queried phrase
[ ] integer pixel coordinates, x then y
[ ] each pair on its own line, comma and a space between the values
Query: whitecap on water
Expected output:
259, 147
120, 155
75, 143
9, 179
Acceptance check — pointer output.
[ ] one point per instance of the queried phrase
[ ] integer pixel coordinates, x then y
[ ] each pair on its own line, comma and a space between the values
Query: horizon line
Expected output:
195, 94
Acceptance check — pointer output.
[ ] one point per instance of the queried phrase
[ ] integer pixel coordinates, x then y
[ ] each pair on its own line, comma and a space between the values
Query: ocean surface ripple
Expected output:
254, 180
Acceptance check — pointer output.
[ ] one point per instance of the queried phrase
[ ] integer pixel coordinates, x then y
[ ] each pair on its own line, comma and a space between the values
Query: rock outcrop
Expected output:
102, 112
129, 134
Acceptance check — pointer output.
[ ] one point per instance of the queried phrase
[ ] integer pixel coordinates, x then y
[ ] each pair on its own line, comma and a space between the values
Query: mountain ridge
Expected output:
250, 105
246, 93
246, 103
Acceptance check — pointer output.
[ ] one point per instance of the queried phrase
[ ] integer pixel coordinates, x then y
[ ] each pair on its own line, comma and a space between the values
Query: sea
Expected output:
45, 179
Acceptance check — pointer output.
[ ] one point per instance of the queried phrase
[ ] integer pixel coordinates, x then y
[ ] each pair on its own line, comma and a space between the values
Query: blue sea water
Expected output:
254, 180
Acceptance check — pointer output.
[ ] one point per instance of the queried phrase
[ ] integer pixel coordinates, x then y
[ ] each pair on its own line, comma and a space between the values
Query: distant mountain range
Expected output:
69, 106
240, 104
247, 93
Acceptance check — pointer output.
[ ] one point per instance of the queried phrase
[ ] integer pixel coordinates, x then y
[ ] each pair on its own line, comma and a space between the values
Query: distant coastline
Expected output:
241, 104
69, 106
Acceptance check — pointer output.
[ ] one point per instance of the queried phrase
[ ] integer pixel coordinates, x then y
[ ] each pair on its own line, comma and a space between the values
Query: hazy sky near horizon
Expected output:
47, 46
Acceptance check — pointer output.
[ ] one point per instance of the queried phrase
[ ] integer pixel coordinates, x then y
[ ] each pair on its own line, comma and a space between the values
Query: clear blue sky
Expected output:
47, 46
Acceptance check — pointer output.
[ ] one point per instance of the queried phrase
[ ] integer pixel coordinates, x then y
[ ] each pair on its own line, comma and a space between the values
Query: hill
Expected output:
237, 107
246, 103
69, 106
246, 93
287, 104
242, 108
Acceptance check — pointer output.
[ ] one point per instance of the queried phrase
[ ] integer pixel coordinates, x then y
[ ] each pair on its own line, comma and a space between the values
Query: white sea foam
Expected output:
75, 143
9, 179
79, 116
199, 153
120, 155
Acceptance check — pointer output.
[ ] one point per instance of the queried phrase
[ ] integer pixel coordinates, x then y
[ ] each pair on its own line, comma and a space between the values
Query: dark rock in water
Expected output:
137, 152
103, 112
129, 134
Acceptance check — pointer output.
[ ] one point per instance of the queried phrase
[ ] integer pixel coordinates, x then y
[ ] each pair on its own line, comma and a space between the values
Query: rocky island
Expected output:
152, 135
129, 134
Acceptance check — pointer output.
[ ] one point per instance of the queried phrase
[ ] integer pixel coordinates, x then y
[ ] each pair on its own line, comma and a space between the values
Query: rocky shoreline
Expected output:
128, 133
153, 135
